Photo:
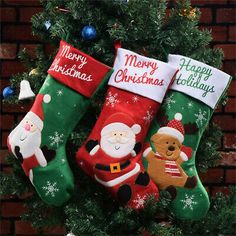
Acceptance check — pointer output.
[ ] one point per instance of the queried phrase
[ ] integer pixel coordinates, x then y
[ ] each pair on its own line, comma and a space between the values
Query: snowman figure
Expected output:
25, 140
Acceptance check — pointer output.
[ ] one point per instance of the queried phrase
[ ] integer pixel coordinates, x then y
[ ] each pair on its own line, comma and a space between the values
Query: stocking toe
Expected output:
143, 179
124, 193
191, 182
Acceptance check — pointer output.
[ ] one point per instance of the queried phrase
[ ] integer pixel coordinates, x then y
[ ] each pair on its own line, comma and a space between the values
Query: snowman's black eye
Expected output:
115, 134
31, 125
27, 122
120, 134
173, 142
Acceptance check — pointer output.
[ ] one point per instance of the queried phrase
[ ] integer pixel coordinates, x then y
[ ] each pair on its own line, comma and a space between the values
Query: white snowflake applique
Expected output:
59, 92
168, 101
209, 144
139, 201
200, 117
190, 105
56, 139
63, 160
188, 202
135, 99
50, 188
149, 116
111, 100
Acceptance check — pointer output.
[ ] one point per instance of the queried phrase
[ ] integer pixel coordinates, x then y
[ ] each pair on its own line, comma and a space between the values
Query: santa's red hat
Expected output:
174, 128
119, 122
36, 113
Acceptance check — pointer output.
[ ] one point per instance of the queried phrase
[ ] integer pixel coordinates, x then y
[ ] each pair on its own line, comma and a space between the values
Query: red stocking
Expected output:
112, 153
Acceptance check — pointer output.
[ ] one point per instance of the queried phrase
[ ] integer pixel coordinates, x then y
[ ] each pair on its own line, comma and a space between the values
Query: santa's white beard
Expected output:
117, 149
27, 141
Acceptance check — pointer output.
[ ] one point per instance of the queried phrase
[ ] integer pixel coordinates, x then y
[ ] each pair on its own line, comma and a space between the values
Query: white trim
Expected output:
171, 162
198, 80
120, 179
172, 132
172, 170
174, 176
133, 153
146, 152
183, 156
40, 157
31, 176
141, 75
94, 150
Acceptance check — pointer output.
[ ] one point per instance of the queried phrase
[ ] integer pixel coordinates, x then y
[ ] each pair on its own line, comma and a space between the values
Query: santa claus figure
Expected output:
115, 165
118, 138
25, 140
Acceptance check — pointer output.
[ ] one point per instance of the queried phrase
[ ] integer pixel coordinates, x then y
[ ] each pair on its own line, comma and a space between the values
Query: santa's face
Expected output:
118, 143
29, 126
27, 136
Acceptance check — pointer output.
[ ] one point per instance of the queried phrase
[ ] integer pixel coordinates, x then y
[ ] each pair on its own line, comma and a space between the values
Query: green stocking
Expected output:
176, 132
39, 139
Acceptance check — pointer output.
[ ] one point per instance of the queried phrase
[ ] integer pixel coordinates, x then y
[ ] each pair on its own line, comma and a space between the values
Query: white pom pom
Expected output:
136, 128
70, 234
178, 116
47, 98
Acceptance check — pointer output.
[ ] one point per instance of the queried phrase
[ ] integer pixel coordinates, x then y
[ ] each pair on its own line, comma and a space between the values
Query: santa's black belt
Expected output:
114, 167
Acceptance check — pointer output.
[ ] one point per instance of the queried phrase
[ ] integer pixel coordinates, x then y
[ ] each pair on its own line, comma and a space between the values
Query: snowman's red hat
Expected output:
119, 122
174, 128
36, 113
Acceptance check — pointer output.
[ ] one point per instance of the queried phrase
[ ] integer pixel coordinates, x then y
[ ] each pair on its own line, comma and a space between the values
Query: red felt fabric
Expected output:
141, 110
77, 70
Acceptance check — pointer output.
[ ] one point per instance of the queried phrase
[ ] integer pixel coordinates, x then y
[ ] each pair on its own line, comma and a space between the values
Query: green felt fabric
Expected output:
54, 182
189, 203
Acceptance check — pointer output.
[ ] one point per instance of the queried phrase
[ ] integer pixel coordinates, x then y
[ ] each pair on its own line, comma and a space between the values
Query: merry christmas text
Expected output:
128, 75
124, 76
70, 71
132, 61
73, 56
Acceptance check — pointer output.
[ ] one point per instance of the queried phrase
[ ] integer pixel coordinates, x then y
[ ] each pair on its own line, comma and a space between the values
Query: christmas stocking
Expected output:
175, 134
39, 139
112, 152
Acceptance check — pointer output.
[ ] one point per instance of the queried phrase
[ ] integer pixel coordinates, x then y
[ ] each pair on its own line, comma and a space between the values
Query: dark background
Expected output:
218, 15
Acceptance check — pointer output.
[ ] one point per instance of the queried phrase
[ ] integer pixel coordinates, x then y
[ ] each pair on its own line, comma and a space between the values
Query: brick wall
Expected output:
218, 15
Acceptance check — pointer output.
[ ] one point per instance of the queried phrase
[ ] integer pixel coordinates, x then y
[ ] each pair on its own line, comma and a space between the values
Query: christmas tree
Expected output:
94, 27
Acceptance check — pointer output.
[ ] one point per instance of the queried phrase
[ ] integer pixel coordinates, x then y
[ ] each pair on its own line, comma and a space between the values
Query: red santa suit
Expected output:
29, 163
119, 173
111, 172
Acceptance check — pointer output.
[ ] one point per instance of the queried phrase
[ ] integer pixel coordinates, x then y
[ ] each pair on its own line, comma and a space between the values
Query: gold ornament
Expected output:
188, 13
192, 14
34, 72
